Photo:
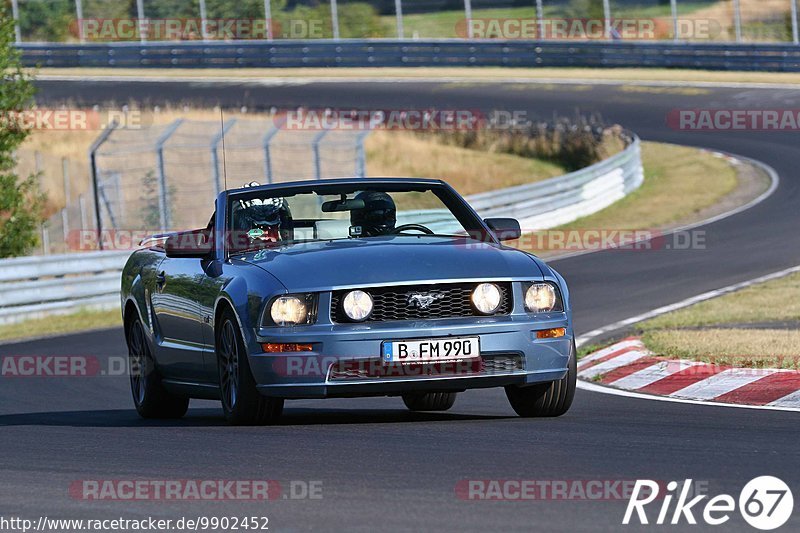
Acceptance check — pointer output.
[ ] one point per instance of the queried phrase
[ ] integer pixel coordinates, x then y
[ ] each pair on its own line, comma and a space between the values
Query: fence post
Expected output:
540, 18
468, 16
45, 240
79, 14
163, 195
398, 9
268, 18
267, 154
361, 159
65, 175
607, 18
203, 20
15, 14
141, 23
215, 154
335, 19
65, 226
317, 159
795, 36
82, 207
93, 163
675, 29
737, 20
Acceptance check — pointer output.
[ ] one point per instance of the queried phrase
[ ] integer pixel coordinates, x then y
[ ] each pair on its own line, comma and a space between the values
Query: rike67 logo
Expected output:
765, 503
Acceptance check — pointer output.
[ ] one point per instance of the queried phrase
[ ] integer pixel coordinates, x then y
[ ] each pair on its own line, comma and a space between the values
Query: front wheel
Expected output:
546, 399
150, 397
242, 404
429, 401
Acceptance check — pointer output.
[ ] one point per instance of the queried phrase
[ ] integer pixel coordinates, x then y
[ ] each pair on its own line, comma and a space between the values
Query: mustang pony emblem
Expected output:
423, 300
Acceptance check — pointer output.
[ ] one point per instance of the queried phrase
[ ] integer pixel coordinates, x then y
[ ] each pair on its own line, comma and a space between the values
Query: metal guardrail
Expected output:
556, 201
422, 53
32, 287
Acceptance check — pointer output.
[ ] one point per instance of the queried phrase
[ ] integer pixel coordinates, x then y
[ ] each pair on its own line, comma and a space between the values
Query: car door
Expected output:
179, 316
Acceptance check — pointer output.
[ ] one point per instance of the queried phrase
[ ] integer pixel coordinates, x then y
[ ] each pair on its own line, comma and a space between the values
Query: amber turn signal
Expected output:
553, 333
275, 347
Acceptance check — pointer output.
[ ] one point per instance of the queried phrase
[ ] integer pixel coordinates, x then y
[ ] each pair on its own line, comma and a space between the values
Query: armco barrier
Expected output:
413, 53
550, 203
32, 287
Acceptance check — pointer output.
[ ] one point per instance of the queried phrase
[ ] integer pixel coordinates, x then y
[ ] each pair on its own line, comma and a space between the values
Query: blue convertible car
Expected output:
344, 288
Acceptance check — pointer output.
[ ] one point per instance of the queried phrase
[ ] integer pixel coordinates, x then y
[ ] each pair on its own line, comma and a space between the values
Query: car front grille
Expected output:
488, 364
397, 303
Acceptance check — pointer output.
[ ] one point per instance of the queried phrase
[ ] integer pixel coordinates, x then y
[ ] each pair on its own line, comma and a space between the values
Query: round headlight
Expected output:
486, 298
357, 305
540, 298
288, 311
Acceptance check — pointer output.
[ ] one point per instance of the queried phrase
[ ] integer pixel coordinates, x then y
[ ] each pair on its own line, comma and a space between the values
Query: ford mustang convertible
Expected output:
344, 288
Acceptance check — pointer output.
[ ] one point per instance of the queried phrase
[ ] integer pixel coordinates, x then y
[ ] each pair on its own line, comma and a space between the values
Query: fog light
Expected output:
280, 347
553, 333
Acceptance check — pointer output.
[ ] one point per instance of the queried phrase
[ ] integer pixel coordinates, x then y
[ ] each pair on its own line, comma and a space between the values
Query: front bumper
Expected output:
346, 361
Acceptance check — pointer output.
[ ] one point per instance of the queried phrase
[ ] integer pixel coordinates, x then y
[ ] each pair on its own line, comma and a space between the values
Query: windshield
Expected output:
269, 220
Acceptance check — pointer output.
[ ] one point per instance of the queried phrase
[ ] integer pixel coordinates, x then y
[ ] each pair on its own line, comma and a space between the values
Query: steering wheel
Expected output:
417, 227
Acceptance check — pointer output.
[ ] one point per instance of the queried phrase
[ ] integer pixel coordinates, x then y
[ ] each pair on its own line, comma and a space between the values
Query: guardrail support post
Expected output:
163, 196
737, 20
335, 19
398, 9
95, 188
15, 14
215, 154
317, 159
795, 36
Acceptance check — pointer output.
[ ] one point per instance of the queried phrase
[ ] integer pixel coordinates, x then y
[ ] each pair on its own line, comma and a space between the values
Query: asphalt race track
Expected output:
382, 467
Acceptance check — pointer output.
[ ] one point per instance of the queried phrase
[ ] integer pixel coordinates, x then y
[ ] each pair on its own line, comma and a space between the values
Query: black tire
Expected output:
150, 397
429, 401
546, 399
242, 404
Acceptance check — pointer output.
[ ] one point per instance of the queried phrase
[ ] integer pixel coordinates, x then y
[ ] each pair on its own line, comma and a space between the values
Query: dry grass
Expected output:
777, 300
749, 348
679, 183
494, 74
468, 171
84, 320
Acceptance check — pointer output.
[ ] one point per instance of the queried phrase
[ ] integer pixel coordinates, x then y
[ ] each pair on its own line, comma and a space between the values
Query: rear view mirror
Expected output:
189, 244
505, 229
335, 206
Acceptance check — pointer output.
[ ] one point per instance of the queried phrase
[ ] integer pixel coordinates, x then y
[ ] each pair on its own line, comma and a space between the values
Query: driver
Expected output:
265, 221
379, 215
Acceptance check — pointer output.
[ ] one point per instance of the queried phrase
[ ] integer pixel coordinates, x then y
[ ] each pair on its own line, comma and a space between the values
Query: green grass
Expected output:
83, 320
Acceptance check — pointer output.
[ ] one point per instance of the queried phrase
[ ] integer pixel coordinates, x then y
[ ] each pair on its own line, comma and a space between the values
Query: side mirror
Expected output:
189, 244
505, 229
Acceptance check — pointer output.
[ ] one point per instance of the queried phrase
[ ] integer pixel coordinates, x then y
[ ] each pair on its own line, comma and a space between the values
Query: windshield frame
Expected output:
461, 210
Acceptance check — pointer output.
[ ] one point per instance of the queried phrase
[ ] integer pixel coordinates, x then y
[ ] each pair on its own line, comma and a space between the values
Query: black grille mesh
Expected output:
451, 301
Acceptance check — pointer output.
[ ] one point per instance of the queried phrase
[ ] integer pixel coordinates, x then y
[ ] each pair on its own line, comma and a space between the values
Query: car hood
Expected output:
391, 260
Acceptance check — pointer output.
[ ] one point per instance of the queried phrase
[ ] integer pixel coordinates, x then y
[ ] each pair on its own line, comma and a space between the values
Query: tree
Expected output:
20, 201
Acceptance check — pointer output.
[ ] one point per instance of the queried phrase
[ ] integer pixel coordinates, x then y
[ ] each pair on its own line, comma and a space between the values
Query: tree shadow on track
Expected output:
213, 417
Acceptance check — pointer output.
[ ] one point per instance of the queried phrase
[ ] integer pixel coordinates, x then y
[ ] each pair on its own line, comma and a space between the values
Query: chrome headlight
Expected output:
357, 305
486, 298
289, 311
542, 297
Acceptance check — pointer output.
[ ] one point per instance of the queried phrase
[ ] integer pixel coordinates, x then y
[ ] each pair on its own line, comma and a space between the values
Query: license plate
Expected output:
431, 350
